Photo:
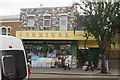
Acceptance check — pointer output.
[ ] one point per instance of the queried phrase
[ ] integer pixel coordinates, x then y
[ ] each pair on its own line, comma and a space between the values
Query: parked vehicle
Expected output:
13, 62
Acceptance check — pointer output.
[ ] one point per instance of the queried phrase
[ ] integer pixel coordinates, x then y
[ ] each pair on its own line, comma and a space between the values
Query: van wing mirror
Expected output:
8, 65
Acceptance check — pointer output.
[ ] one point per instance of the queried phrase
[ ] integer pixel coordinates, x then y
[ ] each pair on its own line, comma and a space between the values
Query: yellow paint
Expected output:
52, 35
116, 47
90, 44
62, 35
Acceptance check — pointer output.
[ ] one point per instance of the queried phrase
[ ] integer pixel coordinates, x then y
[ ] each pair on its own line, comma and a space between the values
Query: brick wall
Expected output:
14, 25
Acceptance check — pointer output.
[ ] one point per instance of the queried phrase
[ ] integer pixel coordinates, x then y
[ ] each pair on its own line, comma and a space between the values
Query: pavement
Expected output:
113, 64
74, 71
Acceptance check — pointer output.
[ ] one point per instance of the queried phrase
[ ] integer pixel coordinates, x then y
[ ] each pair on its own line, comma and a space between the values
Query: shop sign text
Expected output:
43, 35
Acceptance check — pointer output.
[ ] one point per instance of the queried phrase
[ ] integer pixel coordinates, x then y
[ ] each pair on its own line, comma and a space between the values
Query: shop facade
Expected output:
54, 44
49, 32
59, 42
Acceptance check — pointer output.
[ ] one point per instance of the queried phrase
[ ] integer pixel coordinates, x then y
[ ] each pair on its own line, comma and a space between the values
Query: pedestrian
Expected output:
59, 62
29, 57
82, 57
90, 64
62, 61
99, 63
67, 63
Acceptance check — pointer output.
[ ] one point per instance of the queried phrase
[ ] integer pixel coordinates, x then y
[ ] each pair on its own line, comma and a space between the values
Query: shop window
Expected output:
54, 51
65, 49
50, 51
63, 22
36, 50
46, 22
31, 22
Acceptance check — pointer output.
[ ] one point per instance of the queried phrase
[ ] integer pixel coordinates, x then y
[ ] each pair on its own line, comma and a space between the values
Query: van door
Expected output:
16, 61
8, 66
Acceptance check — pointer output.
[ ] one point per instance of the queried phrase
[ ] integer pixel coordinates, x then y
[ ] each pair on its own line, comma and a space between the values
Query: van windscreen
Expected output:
20, 63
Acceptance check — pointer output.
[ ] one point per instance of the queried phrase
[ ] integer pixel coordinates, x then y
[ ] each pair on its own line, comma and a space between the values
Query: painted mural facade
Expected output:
54, 40
55, 17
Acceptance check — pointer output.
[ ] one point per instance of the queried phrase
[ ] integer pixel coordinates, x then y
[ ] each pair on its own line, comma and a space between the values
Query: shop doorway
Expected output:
82, 56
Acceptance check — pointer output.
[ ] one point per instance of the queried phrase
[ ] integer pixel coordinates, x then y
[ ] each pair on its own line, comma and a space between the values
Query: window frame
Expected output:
31, 27
60, 24
3, 27
6, 28
9, 32
47, 15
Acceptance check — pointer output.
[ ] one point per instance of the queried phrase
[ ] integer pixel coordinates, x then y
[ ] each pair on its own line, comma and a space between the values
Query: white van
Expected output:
13, 63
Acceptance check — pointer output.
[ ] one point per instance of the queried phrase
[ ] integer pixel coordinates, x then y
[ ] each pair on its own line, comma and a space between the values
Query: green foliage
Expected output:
101, 19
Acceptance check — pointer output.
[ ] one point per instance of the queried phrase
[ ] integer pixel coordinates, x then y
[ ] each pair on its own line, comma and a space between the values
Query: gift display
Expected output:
42, 62
52, 62
50, 55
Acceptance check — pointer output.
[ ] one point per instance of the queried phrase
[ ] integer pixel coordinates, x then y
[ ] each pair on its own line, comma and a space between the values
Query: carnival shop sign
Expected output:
52, 35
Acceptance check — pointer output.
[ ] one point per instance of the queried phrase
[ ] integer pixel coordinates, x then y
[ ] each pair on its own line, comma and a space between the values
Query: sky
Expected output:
12, 7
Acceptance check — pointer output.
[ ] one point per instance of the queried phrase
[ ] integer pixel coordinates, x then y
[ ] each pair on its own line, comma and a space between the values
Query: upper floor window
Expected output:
31, 21
9, 30
5, 30
63, 22
47, 21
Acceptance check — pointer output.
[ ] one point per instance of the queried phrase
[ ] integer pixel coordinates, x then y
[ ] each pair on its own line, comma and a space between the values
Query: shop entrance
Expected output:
91, 53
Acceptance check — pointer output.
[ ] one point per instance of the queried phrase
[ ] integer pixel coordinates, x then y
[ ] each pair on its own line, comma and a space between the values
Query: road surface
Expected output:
71, 77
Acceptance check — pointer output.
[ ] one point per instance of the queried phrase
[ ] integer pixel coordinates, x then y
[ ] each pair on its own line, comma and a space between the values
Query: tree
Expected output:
101, 19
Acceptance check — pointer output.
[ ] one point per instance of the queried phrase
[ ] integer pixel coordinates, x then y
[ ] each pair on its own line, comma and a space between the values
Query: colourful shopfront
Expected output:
46, 48
49, 32
53, 44
58, 42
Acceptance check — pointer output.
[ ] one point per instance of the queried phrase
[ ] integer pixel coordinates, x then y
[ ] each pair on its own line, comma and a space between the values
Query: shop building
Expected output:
51, 30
